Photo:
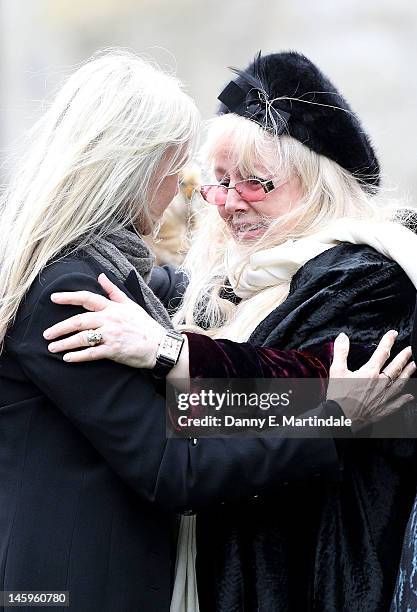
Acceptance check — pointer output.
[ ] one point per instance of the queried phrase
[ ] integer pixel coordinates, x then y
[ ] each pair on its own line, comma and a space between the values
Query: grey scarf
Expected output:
122, 251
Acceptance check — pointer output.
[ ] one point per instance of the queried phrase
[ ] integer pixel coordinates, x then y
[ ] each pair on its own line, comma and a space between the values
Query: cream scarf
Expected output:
277, 266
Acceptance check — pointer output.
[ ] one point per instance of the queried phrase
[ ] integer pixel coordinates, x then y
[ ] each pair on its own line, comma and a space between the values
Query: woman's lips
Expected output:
247, 231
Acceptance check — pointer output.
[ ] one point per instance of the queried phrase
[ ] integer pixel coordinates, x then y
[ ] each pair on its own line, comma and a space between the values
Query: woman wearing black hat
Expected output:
299, 232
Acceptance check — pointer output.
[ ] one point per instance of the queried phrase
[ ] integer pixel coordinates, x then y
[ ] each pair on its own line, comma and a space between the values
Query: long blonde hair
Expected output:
329, 192
93, 160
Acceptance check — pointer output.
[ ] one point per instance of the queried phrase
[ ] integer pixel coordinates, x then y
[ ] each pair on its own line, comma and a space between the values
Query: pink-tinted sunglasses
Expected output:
250, 190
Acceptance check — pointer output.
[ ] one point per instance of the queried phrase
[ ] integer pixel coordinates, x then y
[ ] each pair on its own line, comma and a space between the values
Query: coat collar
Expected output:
133, 286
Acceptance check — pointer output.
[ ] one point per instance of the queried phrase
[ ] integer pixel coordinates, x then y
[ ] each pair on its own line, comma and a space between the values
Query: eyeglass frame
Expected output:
267, 186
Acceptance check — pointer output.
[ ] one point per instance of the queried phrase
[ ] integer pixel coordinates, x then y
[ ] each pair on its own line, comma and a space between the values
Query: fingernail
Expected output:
46, 334
67, 358
393, 332
342, 336
51, 348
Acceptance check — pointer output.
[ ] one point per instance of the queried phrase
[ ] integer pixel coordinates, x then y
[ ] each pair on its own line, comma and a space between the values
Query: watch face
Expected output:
171, 347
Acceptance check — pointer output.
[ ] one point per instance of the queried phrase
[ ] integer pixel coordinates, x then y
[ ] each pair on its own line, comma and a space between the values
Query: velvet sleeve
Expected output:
227, 359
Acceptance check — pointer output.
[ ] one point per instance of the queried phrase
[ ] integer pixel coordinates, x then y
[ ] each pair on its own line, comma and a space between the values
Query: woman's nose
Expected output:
234, 202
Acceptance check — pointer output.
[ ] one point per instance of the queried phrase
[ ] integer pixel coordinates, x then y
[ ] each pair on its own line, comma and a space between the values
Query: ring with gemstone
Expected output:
94, 337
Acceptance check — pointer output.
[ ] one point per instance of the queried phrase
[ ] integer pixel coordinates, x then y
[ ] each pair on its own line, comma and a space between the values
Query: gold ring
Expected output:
388, 376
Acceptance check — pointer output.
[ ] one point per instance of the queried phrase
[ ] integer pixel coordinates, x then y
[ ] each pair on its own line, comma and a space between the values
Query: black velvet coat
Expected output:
89, 483
322, 547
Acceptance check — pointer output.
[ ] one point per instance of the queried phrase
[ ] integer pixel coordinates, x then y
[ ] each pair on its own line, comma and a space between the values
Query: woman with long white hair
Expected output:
297, 245
89, 484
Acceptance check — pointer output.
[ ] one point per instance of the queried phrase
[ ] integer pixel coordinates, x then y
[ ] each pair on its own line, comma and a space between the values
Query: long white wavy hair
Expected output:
91, 161
329, 192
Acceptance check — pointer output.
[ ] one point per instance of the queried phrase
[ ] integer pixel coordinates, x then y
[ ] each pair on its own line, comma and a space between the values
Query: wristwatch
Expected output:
168, 353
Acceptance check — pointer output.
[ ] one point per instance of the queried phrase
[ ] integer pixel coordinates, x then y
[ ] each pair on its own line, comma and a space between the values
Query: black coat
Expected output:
327, 548
89, 484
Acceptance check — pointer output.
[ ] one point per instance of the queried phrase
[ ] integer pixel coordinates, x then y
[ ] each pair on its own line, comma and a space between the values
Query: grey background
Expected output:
367, 48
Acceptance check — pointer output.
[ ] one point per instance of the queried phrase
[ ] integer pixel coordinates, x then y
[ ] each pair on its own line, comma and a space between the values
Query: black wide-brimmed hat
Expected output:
287, 94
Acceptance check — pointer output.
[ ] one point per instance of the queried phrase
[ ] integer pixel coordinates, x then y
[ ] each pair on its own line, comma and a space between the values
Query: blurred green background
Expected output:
368, 49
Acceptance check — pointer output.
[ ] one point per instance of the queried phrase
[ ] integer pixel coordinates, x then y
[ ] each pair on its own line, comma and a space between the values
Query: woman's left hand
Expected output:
129, 335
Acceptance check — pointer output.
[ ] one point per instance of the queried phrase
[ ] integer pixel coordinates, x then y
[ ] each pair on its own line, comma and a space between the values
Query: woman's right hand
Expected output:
370, 393
129, 335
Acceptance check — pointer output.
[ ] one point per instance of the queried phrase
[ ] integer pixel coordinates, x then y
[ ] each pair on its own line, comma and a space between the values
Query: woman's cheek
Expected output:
222, 212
